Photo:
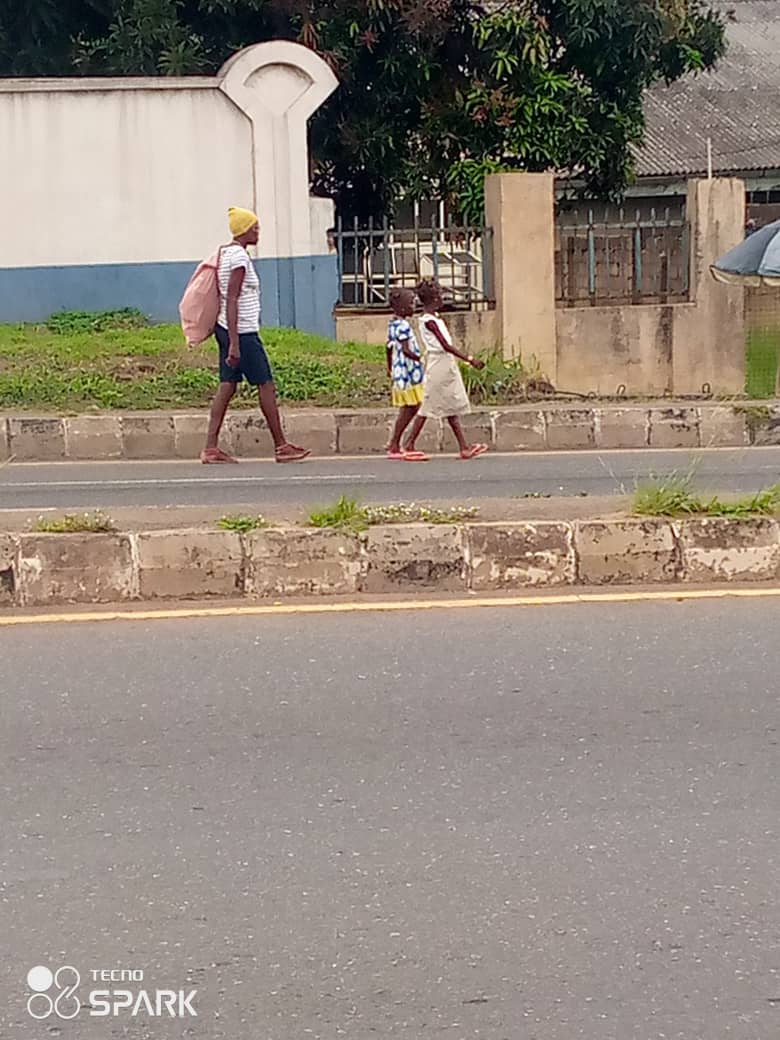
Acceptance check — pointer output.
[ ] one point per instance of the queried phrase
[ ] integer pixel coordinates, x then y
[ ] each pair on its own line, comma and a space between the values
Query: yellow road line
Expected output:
370, 607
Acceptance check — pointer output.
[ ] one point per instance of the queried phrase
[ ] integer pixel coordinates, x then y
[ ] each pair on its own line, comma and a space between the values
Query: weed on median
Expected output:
344, 515
348, 515
76, 523
242, 524
412, 513
674, 497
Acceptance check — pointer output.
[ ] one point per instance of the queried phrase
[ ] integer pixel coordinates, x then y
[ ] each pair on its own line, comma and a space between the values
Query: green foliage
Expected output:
763, 503
242, 524
432, 94
674, 497
410, 514
345, 515
499, 380
669, 497
303, 379
77, 523
116, 361
36, 38
70, 322
763, 352
348, 515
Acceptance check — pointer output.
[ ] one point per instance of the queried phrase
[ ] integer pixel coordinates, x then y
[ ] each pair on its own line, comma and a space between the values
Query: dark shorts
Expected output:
255, 366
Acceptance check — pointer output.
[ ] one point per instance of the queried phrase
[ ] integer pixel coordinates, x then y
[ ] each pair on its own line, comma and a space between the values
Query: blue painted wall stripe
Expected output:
298, 292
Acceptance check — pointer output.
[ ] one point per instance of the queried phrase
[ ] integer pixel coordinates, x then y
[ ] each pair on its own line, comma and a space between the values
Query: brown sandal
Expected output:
291, 453
216, 457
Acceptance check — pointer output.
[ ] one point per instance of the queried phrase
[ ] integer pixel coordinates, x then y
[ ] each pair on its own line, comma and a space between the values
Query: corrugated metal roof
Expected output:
737, 104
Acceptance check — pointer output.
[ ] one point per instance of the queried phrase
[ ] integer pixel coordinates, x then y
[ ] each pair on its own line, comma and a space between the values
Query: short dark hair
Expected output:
428, 290
399, 295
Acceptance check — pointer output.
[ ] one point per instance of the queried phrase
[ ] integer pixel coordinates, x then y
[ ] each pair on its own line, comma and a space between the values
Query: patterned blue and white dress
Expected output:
407, 375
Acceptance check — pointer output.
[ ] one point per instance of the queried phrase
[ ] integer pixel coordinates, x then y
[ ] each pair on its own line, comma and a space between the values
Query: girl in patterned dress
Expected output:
405, 369
445, 395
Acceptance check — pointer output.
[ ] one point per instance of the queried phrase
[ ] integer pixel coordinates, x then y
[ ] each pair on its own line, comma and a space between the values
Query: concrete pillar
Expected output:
520, 208
279, 85
714, 350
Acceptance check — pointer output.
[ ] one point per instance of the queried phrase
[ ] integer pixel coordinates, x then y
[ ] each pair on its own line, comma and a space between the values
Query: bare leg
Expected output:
219, 407
270, 409
285, 452
457, 429
405, 416
419, 422
467, 451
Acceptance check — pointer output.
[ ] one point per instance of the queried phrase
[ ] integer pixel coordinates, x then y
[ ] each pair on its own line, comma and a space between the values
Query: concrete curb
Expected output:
47, 569
549, 427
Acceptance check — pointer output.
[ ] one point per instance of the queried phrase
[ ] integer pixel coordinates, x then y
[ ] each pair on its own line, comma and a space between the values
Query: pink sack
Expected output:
199, 306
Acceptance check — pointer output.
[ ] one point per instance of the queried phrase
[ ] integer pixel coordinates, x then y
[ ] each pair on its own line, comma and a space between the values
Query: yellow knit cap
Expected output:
241, 220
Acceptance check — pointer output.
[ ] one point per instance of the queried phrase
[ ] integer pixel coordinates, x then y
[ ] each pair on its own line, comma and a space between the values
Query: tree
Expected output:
560, 84
434, 93
35, 35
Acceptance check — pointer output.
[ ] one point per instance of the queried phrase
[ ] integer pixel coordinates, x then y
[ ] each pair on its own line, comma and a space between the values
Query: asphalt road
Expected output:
510, 824
119, 484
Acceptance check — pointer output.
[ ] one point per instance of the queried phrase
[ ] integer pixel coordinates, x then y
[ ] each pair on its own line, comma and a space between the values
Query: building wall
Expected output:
602, 348
117, 188
674, 348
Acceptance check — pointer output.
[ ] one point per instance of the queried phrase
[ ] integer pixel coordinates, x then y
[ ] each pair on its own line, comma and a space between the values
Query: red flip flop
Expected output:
473, 452
415, 456
396, 456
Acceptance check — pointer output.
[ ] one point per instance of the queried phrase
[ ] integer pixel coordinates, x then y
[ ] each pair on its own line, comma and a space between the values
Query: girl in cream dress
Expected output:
444, 395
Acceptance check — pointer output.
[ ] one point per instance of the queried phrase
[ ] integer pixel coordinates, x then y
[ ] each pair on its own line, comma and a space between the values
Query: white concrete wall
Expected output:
143, 170
111, 190
118, 176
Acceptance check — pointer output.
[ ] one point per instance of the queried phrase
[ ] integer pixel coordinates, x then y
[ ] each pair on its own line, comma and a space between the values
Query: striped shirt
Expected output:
231, 259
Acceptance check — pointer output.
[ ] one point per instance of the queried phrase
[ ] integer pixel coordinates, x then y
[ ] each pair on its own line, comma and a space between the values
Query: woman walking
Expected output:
241, 351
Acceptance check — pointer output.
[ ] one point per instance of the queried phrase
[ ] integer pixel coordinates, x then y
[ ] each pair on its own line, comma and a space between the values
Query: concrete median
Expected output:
51, 569
553, 426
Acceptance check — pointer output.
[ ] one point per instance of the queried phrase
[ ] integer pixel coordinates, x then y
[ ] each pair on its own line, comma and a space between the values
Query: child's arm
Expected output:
407, 350
392, 339
433, 326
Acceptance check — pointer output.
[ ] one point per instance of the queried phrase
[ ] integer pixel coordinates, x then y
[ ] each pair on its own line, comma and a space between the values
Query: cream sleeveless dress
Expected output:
443, 391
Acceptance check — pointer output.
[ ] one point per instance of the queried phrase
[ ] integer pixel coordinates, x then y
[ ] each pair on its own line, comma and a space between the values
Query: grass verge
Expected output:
78, 361
116, 360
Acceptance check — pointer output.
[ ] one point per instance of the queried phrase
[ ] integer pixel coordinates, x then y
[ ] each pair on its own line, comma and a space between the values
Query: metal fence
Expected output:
374, 260
619, 261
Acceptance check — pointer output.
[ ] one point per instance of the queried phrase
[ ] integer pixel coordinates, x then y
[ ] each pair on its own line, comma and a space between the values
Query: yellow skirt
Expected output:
413, 395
